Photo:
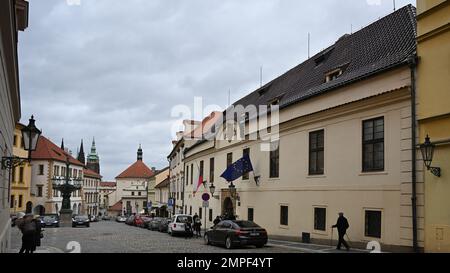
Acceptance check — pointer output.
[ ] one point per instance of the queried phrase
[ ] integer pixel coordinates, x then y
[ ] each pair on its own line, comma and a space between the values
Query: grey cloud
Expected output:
113, 69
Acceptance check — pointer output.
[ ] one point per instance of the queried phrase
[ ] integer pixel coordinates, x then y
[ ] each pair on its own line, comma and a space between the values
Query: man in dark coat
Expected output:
28, 228
342, 226
217, 220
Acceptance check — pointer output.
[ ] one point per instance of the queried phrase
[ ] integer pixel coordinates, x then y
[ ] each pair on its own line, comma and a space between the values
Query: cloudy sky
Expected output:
114, 69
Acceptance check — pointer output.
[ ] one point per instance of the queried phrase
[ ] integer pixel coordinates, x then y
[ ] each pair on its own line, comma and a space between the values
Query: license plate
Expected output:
254, 234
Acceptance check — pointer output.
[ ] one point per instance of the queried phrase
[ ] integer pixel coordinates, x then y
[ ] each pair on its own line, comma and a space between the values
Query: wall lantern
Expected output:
427, 149
30, 136
232, 188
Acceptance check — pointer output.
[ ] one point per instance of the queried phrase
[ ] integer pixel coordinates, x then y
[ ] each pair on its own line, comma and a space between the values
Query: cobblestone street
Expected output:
112, 237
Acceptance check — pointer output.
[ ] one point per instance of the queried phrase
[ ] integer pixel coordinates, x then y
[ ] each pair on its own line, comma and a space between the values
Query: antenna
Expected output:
351, 28
309, 45
229, 95
260, 76
394, 4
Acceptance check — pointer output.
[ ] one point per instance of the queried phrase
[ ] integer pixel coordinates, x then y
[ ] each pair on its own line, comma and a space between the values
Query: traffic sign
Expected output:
205, 204
205, 197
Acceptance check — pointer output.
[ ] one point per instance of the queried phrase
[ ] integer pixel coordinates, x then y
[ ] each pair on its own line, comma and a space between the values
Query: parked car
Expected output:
154, 224
177, 224
236, 233
121, 219
130, 220
93, 218
146, 221
106, 218
138, 221
80, 220
50, 220
13, 217
164, 224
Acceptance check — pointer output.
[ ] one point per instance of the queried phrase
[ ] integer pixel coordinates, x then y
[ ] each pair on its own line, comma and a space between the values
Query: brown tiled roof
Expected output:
91, 173
137, 170
47, 150
116, 207
384, 44
108, 184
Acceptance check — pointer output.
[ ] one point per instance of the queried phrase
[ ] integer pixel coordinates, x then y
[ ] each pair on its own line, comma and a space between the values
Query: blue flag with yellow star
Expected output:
237, 169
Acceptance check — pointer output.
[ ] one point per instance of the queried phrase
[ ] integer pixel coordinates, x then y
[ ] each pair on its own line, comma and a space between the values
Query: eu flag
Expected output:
237, 169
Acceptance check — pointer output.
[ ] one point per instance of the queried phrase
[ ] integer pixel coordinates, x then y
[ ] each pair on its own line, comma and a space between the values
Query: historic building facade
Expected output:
106, 192
433, 100
157, 178
131, 186
21, 198
48, 164
90, 193
343, 144
13, 18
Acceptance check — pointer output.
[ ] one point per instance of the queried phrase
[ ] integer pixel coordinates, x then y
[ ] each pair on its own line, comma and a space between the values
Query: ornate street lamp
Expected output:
427, 149
66, 186
232, 188
212, 190
30, 136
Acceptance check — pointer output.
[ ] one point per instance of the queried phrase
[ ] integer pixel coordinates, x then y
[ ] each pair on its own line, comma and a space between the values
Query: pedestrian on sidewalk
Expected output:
38, 235
342, 226
28, 229
188, 229
217, 220
197, 227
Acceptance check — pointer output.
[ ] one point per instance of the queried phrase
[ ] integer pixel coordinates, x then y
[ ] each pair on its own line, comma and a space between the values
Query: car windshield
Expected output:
49, 218
246, 224
81, 217
184, 219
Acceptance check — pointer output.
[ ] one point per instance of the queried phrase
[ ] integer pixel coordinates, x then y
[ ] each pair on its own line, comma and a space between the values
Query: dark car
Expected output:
13, 219
130, 220
80, 220
50, 220
164, 225
236, 233
146, 221
154, 224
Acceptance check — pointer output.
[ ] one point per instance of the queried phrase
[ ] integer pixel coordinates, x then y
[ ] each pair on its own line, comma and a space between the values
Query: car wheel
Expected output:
206, 237
228, 243
88, 225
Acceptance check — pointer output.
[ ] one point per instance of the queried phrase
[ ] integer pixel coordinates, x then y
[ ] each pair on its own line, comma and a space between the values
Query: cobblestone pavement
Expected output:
112, 237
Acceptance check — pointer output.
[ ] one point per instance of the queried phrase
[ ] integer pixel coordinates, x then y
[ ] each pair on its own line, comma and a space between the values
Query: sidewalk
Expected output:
312, 248
44, 249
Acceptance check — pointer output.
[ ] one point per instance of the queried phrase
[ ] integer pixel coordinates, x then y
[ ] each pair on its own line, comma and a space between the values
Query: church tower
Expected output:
140, 153
81, 156
93, 160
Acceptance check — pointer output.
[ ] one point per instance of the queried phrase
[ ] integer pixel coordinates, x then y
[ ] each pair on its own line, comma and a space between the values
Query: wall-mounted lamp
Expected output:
212, 190
257, 179
427, 149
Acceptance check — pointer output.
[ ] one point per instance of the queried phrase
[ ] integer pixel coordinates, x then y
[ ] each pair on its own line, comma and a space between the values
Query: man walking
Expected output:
342, 226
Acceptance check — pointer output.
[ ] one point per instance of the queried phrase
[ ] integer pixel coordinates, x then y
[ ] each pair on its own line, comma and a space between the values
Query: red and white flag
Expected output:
199, 183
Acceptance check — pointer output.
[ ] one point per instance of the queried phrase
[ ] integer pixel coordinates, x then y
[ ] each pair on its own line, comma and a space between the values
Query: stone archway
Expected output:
39, 210
29, 207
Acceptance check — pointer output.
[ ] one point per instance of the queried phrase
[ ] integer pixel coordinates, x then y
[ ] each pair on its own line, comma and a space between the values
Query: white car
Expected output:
177, 224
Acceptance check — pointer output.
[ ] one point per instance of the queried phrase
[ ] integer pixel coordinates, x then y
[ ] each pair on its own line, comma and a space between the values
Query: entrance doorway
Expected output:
228, 207
29, 207
39, 210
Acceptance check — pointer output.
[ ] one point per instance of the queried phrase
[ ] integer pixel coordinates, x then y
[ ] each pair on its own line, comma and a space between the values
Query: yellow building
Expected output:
433, 87
21, 199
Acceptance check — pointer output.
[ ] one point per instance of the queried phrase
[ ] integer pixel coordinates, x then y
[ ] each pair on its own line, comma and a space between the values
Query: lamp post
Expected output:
427, 149
30, 136
66, 186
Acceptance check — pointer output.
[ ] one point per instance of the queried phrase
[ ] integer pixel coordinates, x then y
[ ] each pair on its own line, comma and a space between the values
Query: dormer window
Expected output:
331, 76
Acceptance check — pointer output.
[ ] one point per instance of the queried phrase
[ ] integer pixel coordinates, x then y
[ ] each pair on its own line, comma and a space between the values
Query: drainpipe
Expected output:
412, 62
